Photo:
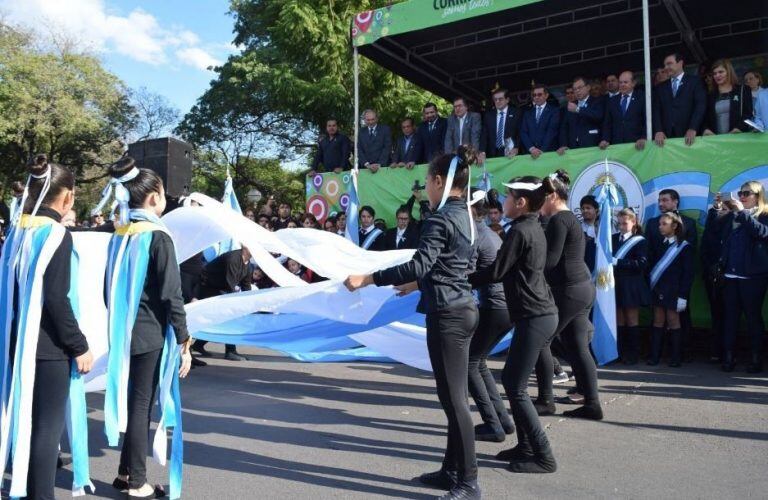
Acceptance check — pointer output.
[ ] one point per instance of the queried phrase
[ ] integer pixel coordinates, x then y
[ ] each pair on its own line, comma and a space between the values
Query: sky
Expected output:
164, 45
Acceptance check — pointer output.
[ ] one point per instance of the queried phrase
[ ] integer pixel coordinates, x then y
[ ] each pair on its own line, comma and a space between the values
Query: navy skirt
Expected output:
632, 291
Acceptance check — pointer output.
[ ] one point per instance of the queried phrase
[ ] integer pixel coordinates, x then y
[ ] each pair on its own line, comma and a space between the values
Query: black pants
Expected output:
574, 304
449, 333
532, 336
715, 298
144, 375
48, 413
493, 325
745, 296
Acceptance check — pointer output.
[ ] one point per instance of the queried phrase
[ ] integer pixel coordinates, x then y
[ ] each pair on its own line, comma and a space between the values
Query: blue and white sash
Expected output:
669, 256
126, 272
375, 233
627, 246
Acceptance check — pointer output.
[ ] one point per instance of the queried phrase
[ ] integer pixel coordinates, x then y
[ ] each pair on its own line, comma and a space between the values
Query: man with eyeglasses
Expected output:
404, 235
583, 119
541, 124
501, 128
463, 127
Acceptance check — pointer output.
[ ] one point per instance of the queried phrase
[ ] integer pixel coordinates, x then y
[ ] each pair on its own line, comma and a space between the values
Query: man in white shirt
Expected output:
463, 127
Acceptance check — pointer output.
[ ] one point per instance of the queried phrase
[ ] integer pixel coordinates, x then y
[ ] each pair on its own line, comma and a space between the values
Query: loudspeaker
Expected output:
170, 158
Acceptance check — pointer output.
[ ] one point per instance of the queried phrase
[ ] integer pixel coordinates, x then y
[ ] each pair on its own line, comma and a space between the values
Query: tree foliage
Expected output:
154, 115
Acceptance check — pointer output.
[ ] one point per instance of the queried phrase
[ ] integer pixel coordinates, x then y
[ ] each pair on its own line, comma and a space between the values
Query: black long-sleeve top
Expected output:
441, 261
161, 301
224, 274
519, 265
60, 335
635, 262
485, 249
565, 251
332, 152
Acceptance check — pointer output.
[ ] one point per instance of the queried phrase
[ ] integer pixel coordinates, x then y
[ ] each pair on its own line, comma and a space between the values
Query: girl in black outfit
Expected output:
632, 291
671, 281
520, 265
574, 294
161, 304
60, 342
439, 269
494, 324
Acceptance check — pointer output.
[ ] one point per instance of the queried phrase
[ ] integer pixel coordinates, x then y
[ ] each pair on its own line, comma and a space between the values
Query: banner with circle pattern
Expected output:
327, 194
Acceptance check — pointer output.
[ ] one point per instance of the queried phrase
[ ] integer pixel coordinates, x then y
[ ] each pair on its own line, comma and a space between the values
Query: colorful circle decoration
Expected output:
345, 180
317, 181
332, 188
318, 206
344, 201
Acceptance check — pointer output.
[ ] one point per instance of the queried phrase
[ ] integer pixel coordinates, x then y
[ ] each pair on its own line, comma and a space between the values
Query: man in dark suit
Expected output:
431, 132
404, 235
501, 128
374, 144
463, 127
679, 104
581, 124
540, 128
408, 150
625, 115
333, 150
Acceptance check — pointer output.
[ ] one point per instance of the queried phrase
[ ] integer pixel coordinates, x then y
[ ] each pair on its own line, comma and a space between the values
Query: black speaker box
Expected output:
170, 158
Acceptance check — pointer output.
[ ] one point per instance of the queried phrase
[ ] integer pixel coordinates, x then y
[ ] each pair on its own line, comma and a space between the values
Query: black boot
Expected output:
676, 337
463, 490
728, 363
545, 406
657, 340
621, 343
632, 345
756, 366
542, 462
488, 432
442, 479
522, 451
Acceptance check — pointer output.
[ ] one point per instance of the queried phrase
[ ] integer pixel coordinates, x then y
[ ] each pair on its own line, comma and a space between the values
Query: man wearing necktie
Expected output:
431, 132
374, 144
463, 128
583, 120
679, 104
500, 128
408, 150
404, 234
540, 124
625, 115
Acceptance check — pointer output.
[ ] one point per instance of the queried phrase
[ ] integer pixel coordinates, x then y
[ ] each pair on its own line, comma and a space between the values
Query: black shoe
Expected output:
675, 364
62, 462
198, 362
233, 356
544, 408
540, 463
589, 412
486, 432
515, 454
574, 399
200, 349
465, 490
441, 479
119, 484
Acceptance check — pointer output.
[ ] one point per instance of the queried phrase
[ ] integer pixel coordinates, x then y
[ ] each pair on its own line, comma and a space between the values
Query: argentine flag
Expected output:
693, 188
352, 231
229, 200
604, 312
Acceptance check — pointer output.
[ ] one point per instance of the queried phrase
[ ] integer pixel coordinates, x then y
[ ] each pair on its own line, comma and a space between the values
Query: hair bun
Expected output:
38, 166
563, 177
18, 188
122, 166
467, 155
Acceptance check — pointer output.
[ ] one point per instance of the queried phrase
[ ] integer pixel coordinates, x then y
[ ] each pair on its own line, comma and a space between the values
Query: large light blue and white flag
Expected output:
352, 231
604, 312
229, 200
693, 188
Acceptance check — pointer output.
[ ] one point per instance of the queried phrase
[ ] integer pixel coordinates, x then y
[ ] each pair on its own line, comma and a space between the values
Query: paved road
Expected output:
272, 428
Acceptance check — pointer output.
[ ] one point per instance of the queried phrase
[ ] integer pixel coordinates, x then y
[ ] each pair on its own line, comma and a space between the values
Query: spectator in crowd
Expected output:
70, 219
283, 216
660, 76
590, 211
630, 253
671, 280
754, 81
310, 222
374, 144
97, 220
341, 224
625, 115
679, 105
268, 208
596, 88
540, 128
501, 128
570, 96
761, 110
729, 104
431, 132
581, 124
295, 268
463, 127
745, 268
249, 213
265, 222
330, 224
711, 269
408, 149
611, 84
669, 201
333, 150
292, 224
404, 234
495, 213
369, 237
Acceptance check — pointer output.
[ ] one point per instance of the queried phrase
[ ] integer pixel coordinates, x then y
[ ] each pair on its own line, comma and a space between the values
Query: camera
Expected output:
416, 186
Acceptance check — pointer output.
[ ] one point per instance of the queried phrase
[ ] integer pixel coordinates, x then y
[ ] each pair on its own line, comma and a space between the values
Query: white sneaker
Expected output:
560, 378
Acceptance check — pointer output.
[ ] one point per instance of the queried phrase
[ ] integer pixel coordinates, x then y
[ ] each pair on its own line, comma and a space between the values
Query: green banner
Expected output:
369, 26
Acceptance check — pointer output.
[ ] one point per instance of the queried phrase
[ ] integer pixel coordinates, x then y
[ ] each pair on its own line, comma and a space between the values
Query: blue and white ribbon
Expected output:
447, 193
669, 256
627, 246
122, 196
371, 238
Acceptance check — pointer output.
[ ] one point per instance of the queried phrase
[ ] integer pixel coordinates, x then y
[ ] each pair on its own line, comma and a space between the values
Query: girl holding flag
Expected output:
630, 259
147, 331
44, 350
671, 281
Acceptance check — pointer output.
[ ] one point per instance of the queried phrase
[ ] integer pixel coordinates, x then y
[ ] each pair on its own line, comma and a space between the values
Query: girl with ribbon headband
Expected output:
147, 332
439, 269
43, 352
519, 265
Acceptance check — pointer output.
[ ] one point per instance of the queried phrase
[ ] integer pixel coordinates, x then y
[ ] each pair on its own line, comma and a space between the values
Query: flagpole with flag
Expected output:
229, 200
604, 312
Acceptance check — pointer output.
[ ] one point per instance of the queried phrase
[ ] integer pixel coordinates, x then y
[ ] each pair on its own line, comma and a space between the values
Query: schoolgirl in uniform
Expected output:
630, 253
671, 279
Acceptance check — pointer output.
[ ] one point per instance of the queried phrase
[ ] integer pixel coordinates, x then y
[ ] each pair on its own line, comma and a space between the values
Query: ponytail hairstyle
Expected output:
628, 212
558, 183
529, 187
440, 165
46, 182
141, 186
679, 226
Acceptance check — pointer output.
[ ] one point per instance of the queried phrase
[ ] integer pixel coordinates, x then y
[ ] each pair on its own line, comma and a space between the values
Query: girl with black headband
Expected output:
519, 265
439, 269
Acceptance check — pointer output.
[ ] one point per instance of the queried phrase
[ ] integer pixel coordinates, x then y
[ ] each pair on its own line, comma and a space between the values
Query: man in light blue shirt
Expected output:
761, 109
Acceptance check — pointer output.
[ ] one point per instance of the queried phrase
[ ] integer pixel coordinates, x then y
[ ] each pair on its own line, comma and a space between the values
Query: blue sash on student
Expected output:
669, 256
375, 233
627, 246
